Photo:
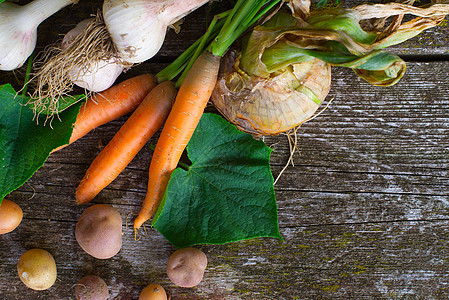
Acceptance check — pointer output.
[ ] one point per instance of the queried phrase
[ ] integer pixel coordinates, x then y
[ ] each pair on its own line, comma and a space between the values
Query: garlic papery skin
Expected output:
138, 27
99, 75
18, 29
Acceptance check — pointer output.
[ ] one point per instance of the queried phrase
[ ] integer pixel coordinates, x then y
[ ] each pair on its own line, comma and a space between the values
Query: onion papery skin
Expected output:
269, 106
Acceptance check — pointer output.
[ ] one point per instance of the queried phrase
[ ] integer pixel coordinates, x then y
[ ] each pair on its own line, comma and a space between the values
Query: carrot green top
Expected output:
223, 30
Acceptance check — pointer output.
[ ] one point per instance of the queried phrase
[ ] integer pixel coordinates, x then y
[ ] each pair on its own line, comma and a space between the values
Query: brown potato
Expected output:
10, 216
153, 291
185, 267
37, 269
99, 231
91, 287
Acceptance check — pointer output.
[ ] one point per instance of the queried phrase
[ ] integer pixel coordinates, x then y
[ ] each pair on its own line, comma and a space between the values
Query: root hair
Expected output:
93, 44
292, 138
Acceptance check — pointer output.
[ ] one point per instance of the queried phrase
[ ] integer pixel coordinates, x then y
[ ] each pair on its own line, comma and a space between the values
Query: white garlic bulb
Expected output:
138, 27
99, 75
18, 28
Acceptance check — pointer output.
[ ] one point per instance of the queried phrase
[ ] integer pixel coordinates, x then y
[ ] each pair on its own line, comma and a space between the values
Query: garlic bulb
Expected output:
98, 77
124, 33
138, 27
99, 74
18, 27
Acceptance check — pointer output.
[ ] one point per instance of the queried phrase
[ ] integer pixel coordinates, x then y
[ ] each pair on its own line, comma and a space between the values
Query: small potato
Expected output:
10, 216
153, 291
91, 287
185, 267
99, 231
37, 269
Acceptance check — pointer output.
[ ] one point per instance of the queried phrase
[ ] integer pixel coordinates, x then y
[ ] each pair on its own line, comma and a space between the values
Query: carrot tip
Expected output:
80, 201
138, 222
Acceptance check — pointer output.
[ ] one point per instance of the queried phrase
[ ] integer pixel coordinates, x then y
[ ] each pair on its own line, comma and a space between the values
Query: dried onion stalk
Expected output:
280, 74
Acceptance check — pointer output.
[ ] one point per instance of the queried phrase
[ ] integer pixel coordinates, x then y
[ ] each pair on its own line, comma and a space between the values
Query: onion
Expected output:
280, 74
269, 106
138, 27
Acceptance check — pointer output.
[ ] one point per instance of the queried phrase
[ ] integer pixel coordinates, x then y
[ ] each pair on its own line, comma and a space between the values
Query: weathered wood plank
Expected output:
346, 261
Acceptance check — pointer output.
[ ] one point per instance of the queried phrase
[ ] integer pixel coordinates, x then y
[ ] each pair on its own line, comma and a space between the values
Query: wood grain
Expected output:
364, 211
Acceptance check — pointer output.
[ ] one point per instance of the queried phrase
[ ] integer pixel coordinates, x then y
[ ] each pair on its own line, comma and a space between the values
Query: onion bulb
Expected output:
18, 29
264, 100
274, 104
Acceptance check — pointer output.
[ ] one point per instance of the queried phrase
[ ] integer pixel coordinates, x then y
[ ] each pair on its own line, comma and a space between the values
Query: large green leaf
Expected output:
25, 143
225, 195
63, 104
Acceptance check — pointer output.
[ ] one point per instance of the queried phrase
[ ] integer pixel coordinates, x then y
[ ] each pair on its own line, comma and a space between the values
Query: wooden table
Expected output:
364, 211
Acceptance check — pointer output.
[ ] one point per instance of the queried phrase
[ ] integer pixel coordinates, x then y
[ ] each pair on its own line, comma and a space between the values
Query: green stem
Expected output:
173, 69
239, 12
182, 61
243, 16
264, 11
183, 165
207, 38
223, 30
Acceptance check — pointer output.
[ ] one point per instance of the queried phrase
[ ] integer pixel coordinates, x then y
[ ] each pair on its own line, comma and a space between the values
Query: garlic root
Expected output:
85, 57
124, 33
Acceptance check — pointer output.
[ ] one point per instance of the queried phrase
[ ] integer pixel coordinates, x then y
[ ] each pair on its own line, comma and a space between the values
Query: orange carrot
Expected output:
187, 110
128, 141
110, 104
193, 95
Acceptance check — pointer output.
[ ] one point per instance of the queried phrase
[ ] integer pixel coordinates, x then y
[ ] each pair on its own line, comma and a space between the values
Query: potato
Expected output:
91, 287
37, 269
153, 291
185, 267
99, 231
10, 216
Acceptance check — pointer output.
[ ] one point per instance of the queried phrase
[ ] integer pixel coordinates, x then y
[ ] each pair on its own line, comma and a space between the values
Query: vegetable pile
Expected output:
265, 66
97, 50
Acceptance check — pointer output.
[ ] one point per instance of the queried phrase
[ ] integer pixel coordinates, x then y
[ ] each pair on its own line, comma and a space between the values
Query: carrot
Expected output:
127, 142
187, 110
193, 95
110, 104
135, 132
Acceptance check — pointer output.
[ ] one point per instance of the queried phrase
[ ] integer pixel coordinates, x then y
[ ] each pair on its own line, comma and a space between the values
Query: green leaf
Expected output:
323, 3
25, 143
227, 193
63, 104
